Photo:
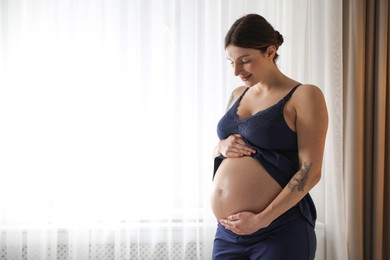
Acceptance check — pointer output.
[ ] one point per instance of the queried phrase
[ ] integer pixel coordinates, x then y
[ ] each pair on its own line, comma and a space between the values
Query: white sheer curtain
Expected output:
108, 112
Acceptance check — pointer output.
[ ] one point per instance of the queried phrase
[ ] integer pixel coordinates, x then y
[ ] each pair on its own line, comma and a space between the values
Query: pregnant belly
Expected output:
242, 184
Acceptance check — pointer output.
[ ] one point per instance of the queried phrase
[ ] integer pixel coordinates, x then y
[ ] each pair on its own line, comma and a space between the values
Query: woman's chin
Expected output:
249, 83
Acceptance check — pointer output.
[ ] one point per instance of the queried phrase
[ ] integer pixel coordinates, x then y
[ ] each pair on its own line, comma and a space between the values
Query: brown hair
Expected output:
253, 31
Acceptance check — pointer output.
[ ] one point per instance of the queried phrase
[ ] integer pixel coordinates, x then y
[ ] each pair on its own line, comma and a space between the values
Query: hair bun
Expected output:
279, 38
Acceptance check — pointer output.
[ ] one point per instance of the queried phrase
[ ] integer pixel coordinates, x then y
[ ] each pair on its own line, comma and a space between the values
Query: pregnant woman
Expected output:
269, 155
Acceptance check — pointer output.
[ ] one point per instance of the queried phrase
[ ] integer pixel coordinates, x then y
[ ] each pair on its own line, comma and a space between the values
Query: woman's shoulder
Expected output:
239, 91
236, 93
309, 97
308, 91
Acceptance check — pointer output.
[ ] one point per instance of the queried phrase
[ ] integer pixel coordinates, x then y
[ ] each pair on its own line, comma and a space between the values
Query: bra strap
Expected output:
288, 96
243, 93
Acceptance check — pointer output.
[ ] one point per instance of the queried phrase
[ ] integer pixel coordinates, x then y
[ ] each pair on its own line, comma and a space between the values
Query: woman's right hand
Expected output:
234, 146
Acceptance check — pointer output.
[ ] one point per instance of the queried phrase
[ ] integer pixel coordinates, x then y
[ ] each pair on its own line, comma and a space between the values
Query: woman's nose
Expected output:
236, 69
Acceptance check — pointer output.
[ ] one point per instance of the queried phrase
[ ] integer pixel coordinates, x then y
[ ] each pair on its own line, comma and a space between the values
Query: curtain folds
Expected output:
366, 112
334, 192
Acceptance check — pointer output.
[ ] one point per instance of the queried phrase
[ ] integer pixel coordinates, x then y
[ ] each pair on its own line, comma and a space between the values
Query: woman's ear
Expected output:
271, 51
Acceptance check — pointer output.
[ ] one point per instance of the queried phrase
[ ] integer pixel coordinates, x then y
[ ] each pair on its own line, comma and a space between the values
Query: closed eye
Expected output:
240, 62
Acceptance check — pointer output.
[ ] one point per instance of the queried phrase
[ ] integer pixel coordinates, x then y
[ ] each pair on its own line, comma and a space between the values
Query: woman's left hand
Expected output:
243, 223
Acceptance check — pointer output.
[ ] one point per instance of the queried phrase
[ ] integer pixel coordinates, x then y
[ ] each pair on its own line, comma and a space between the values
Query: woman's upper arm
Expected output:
311, 126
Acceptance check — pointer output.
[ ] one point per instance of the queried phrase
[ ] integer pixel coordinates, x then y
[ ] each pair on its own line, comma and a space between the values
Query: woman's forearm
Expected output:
297, 188
216, 151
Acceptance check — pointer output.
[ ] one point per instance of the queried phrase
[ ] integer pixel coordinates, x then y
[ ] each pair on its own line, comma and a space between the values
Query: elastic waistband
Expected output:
286, 217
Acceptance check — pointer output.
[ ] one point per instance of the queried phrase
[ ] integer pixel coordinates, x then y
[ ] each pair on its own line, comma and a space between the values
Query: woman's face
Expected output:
248, 64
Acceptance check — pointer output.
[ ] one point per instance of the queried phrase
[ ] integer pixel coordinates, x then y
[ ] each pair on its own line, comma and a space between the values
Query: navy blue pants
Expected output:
288, 237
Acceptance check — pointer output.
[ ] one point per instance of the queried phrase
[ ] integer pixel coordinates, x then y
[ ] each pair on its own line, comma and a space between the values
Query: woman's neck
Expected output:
274, 79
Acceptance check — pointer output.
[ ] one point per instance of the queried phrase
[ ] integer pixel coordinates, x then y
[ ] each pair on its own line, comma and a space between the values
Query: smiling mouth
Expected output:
246, 78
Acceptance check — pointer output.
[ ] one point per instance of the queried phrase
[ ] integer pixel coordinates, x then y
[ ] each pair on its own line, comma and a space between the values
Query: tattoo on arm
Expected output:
230, 101
300, 178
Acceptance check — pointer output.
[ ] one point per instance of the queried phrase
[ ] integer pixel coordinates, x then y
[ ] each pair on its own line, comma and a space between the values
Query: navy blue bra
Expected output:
275, 143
